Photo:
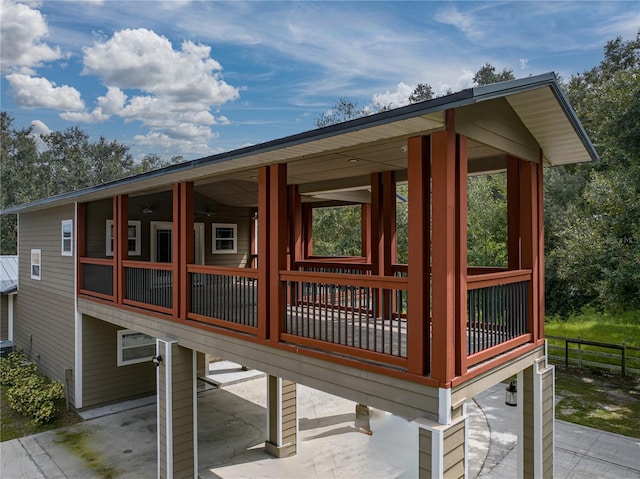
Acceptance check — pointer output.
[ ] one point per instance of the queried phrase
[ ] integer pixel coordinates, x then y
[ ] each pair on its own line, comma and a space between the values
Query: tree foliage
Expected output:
65, 161
487, 74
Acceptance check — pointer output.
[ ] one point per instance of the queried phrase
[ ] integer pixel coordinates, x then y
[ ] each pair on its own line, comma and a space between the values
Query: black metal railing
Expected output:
97, 278
226, 297
363, 317
149, 286
496, 314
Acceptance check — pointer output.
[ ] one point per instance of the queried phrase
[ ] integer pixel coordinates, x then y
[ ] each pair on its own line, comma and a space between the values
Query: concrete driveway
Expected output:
231, 434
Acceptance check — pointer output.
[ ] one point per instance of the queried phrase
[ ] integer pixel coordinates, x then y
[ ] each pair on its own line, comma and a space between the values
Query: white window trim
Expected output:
38, 264
108, 238
64, 252
234, 226
121, 362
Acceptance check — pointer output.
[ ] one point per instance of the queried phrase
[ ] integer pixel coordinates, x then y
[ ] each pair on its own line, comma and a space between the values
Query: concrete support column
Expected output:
282, 417
536, 421
443, 447
177, 411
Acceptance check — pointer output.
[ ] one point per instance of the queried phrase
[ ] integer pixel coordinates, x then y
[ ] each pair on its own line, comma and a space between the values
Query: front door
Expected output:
161, 242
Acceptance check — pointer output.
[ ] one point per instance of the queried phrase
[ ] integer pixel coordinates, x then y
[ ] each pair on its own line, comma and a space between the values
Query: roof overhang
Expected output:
518, 117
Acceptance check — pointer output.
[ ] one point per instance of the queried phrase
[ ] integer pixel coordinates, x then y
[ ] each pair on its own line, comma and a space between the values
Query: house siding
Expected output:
4, 316
103, 380
453, 461
548, 419
44, 310
425, 449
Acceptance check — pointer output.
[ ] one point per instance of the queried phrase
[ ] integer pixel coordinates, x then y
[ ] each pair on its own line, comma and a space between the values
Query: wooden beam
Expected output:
175, 250
263, 252
377, 231
443, 256
540, 206
186, 246
513, 212
389, 238
418, 314
461, 256
120, 244
307, 230
296, 252
529, 232
277, 247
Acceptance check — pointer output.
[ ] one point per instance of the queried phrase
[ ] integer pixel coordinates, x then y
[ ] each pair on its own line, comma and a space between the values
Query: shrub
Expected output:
30, 393
15, 367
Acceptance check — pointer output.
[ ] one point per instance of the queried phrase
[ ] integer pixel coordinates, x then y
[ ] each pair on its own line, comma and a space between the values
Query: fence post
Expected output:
579, 352
624, 358
566, 353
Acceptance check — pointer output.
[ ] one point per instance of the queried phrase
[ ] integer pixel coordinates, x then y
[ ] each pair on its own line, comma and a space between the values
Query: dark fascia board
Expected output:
455, 100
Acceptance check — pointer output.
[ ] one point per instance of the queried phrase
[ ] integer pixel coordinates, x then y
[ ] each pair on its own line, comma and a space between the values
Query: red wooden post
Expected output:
175, 251
277, 247
365, 215
81, 241
513, 212
307, 225
461, 255
186, 246
443, 257
530, 231
120, 243
263, 252
540, 206
295, 228
418, 314
389, 240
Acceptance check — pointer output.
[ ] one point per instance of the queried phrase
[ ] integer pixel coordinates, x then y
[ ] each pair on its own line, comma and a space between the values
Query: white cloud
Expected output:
33, 92
160, 141
21, 47
141, 59
38, 130
110, 104
465, 22
395, 99
524, 63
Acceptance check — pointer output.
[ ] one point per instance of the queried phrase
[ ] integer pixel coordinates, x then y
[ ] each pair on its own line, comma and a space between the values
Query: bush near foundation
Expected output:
30, 393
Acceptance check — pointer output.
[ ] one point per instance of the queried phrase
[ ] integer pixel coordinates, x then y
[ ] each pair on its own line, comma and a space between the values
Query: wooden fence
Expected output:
585, 353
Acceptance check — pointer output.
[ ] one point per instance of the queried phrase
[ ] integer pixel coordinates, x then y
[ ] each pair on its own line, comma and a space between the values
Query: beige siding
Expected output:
453, 444
182, 426
44, 311
4, 316
425, 454
103, 380
289, 415
528, 419
547, 423
404, 398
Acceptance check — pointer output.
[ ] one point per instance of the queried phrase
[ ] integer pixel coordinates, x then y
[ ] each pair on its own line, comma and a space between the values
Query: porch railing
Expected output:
334, 266
497, 313
148, 285
96, 277
226, 297
357, 315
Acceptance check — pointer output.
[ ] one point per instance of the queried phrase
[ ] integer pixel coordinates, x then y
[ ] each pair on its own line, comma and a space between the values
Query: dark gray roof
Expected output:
8, 274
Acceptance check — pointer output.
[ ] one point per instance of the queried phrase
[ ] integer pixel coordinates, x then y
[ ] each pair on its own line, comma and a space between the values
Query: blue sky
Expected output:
194, 78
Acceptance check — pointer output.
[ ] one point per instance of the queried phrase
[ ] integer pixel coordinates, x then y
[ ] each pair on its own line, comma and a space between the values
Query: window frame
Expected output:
142, 359
214, 238
109, 237
64, 252
37, 252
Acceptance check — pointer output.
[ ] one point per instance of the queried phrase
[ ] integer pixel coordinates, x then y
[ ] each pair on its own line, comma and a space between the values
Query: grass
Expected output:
14, 425
613, 328
599, 400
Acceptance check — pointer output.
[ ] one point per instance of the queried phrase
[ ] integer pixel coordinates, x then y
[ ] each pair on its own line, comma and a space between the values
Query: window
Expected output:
67, 237
134, 347
35, 263
225, 238
133, 238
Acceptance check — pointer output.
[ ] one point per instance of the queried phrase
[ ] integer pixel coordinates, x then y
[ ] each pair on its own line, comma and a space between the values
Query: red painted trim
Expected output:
186, 245
223, 324
81, 241
498, 349
443, 264
223, 271
86, 292
148, 265
307, 224
150, 307
263, 252
381, 282
342, 349
277, 247
461, 256
541, 290
175, 250
492, 364
498, 279
513, 213
419, 172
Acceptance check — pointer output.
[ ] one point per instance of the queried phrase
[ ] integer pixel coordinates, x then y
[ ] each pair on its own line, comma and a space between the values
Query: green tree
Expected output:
343, 110
592, 210
487, 74
422, 92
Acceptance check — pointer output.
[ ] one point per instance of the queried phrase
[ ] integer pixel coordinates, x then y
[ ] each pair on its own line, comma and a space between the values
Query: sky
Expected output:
196, 78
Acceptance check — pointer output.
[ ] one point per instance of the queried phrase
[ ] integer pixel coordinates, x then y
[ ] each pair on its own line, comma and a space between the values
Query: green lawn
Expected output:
604, 327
